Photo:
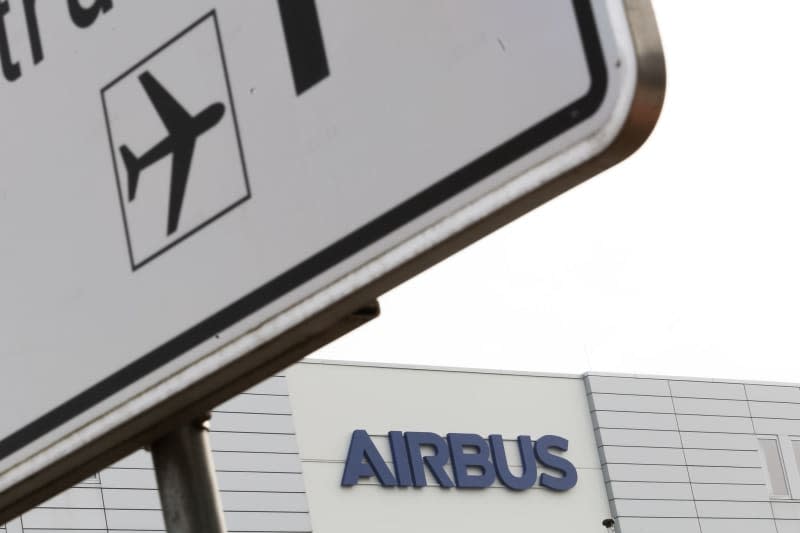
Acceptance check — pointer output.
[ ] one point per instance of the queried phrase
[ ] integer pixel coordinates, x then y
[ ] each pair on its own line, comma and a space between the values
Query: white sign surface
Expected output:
176, 174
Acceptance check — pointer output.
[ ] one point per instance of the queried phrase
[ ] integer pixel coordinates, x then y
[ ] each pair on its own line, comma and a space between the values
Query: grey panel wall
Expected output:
258, 468
683, 455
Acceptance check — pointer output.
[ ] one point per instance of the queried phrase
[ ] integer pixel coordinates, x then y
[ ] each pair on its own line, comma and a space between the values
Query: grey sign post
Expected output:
187, 482
198, 193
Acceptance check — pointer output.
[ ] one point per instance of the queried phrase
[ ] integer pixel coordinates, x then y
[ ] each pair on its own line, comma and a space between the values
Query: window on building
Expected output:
775, 469
796, 450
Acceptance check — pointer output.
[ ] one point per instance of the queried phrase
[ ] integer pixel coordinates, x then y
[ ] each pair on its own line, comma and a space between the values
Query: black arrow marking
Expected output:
304, 43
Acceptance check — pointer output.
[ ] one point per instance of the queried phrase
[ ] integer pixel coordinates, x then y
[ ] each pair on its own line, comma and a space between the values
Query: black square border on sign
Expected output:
213, 15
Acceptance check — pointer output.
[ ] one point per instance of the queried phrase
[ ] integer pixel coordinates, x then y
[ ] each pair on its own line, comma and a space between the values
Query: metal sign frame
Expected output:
349, 302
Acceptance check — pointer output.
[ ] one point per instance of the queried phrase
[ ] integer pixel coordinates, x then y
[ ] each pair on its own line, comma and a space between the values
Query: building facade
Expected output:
333, 447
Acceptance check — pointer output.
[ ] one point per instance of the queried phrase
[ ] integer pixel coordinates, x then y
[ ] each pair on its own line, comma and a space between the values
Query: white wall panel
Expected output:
775, 410
627, 490
631, 402
638, 437
77, 498
253, 442
776, 426
264, 501
788, 526
257, 462
260, 522
256, 403
381, 399
715, 424
245, 422
643, 455
723, 509
656, 473
276, 385
117, 478
135, 519
737, 525
730, 492
64, 519
658, 525
632, 420
707, 389
131, 499
740, 458
719, 441
659, 508
786, 510
629, 385
772, 393
703, 406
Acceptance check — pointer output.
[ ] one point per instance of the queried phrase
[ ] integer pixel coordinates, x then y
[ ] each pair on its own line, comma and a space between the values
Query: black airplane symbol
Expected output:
183, 130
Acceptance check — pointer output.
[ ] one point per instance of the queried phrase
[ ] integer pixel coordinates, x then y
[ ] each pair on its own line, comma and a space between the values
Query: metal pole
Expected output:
187, 482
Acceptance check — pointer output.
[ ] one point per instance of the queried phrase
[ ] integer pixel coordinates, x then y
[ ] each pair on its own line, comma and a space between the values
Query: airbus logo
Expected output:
461, 460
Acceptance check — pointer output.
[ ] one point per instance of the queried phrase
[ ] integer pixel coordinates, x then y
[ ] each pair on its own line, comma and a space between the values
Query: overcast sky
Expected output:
682, 260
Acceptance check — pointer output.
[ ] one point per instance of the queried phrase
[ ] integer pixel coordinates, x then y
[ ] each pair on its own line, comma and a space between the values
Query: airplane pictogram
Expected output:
183, 131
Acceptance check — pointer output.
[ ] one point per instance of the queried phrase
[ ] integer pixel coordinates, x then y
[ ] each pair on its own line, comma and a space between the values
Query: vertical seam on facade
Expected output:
753, 425
299, 454
683, 453
612, 501
749, 412
103, 500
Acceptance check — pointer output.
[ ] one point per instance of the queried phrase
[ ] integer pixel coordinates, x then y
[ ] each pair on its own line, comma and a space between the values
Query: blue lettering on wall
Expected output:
569, 474
478, 459
435, 461
364, 460
475, 462
528, 477
402, 464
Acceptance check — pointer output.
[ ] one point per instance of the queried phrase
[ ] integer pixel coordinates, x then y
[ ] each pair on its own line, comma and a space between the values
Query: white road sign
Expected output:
185, 181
